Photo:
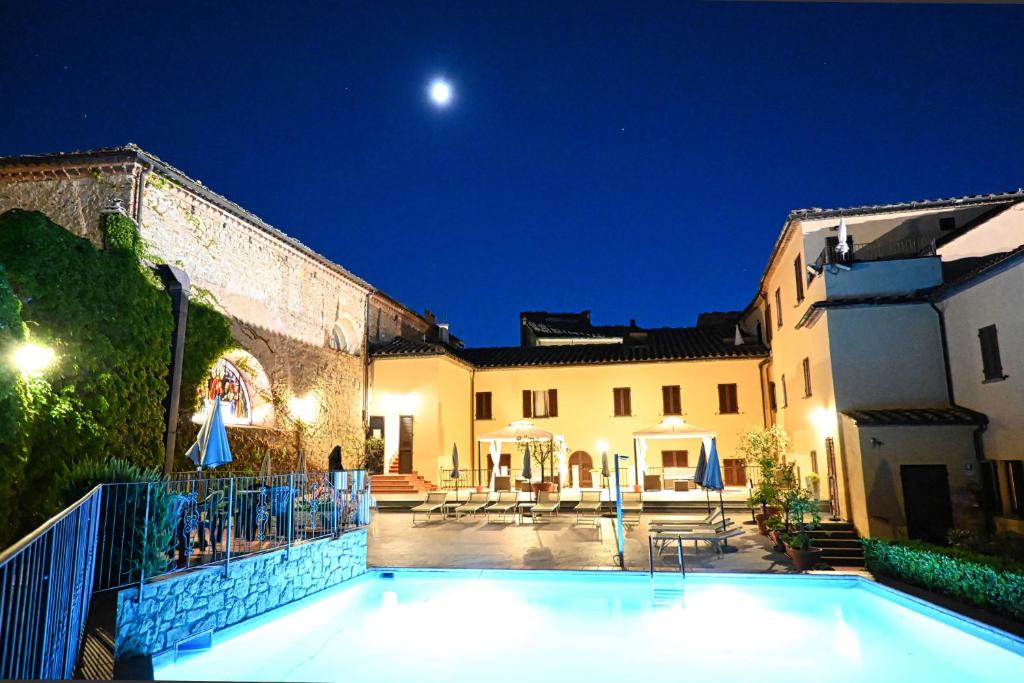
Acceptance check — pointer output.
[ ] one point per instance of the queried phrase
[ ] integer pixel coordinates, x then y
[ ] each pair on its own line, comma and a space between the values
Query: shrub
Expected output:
374, 459
990, 582
124, 515
109, 321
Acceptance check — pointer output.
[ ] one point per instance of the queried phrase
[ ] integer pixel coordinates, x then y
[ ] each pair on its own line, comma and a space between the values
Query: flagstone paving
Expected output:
556, 544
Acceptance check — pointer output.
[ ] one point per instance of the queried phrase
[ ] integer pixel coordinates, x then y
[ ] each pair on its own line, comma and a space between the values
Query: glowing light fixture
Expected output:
602, 446
31, 359
440, 92
304, 408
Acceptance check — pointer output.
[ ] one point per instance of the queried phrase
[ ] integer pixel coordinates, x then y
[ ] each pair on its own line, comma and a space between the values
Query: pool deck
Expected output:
556, 544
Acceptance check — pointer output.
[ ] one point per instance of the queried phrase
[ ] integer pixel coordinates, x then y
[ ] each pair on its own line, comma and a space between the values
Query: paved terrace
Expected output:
556, 544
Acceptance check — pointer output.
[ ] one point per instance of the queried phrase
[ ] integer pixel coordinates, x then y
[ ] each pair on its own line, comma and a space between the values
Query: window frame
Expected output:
778, 307
806, 367
674, 453
549, 403
785, 392
798, 271
991, 358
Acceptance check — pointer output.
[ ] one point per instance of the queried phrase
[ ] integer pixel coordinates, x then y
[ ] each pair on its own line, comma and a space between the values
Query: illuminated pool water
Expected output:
504, 626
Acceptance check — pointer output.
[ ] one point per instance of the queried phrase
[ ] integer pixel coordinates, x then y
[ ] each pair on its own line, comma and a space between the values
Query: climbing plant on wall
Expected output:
110, 324
13, 403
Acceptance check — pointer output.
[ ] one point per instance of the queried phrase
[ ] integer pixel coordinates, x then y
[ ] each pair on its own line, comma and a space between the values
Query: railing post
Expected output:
291, 507
679, 549
145, 539
230, 523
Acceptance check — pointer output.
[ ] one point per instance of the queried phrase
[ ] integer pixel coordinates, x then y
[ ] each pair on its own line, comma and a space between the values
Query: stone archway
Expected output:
585, 463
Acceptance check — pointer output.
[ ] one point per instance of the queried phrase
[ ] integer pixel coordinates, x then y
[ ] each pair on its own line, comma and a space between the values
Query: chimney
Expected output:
632, 322
442, 333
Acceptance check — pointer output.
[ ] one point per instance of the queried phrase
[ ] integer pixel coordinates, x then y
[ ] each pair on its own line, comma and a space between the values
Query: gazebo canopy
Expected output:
520, 430
674, 428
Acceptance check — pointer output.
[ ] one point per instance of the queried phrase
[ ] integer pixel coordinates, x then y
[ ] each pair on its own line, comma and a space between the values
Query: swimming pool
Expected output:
500, 626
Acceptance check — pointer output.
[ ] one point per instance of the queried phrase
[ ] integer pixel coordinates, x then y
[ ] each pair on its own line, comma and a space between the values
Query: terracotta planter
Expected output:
762, 523
778, 545
481, 489
546, 486
803, 559
637, 488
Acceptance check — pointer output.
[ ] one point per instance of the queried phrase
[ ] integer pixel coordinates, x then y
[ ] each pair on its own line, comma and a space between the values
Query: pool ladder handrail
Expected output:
679, 555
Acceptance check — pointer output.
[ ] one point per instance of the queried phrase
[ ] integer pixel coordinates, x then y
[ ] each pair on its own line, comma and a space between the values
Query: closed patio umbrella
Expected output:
455, 469
605, 472
527, 472
713, 482
211, 448
700, 471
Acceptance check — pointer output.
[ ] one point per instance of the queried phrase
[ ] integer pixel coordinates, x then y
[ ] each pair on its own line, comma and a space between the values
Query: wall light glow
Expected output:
602, 446
304, 408
32, 359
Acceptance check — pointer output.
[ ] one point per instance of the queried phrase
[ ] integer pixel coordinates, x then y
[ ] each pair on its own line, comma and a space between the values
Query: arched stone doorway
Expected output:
584, 463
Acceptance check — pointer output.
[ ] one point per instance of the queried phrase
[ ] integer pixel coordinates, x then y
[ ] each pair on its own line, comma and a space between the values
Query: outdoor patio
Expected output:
555, 544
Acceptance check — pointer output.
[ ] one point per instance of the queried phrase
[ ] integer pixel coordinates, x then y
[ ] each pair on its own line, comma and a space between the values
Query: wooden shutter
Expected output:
768, 323
483, 405
622, 402
671, 404
552, 402
527, 403
778, 307
798, 272
727, 402
991, 363
773, 401
627, 401
807, 377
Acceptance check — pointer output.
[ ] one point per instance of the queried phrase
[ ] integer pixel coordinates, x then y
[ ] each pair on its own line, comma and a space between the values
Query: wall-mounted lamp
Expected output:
304, 409
876, 442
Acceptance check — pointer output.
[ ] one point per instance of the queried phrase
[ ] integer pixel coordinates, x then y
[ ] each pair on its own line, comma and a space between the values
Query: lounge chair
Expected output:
547, 504
713, 537
707, 519
506, 504
434, 502
475, 504
632, 506
589, 507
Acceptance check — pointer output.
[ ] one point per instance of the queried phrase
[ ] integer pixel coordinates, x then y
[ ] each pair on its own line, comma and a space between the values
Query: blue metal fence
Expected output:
45, 587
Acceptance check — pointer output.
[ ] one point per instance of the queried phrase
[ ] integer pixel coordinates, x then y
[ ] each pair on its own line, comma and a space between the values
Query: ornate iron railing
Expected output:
152, 529
45, 587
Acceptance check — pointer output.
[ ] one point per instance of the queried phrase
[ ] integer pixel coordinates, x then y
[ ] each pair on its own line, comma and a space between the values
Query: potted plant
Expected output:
803, 516
543, 454
761, 449
373, 455
776, 532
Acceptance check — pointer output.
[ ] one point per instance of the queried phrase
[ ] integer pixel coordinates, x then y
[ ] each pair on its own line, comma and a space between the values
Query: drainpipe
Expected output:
140, 188
764, 388
366, 362
978, 436
474, 453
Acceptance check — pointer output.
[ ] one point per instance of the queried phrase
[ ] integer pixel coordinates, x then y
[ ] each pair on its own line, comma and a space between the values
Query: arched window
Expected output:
344, 336
243, 387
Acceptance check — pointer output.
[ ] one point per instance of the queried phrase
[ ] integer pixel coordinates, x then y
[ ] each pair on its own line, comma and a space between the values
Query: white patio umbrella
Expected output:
211, 448
669, 428
843, 248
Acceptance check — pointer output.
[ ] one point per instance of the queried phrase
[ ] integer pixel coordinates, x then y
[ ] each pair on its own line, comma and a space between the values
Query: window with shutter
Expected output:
773, 401
785, 393
552, 403
483, 405
540, 403
623, 401
727, 399
671, 403
807, 377
798, 272
778, 307
675, 459
768, 324
527, 403
991, 362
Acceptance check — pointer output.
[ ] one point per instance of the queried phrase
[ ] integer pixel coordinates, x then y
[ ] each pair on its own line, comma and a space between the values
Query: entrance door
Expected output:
734, 472
584, 463
405, 444
926, 502
504, 460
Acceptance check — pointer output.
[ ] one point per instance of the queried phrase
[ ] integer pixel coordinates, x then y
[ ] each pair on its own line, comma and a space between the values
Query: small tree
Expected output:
802, 517
763, 447
373, 461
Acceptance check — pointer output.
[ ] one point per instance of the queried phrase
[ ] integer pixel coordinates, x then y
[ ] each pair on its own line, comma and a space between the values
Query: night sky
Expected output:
636, 163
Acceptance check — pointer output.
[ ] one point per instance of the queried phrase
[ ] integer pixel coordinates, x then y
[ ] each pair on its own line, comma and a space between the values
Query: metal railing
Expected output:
45, 586
158, 528
879, 250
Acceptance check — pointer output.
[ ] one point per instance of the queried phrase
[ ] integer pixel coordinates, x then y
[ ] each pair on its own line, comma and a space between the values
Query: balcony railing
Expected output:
878, 250
45, 582
152, 529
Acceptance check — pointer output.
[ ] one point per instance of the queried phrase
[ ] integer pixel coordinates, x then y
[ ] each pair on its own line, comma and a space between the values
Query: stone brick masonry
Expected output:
191, 603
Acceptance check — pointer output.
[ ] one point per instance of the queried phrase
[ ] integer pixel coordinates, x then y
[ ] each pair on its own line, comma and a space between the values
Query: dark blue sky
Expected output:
636, 159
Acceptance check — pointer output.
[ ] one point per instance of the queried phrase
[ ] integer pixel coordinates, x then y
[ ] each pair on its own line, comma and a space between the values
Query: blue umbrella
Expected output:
211, 448
455, 469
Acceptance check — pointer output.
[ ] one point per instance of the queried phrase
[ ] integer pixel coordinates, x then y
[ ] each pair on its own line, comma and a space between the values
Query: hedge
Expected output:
986, 581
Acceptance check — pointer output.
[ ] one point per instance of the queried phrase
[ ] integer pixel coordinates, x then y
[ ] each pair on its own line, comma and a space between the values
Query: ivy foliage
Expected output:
990, 582
110, 325
207, 338
13, 399
122, 235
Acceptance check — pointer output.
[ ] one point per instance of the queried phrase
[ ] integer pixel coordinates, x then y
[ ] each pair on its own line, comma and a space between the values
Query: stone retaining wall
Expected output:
188, 604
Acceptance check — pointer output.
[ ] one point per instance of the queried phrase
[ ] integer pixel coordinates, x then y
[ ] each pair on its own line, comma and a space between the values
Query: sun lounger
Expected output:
589, 507
709, 518
547, 504
713, 537
632, 506
475, 504
434, 502
506, 504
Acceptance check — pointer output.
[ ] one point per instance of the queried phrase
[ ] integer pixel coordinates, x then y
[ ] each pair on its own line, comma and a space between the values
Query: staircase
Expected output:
399, 483
840, 545
393, 468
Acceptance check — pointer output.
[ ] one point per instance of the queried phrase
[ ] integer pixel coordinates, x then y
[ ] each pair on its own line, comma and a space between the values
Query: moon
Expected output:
440, 92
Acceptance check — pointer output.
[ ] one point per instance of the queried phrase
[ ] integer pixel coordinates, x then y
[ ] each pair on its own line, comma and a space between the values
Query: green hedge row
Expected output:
985, 581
